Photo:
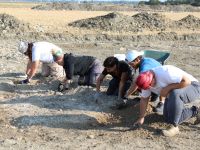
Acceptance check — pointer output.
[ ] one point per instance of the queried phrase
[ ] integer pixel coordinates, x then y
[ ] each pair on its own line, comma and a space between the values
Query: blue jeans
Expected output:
174, 110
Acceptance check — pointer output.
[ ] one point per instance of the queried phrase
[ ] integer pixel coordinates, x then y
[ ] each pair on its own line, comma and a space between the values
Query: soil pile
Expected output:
85, 7
137, 23
119, 22
150, 21
9, 24
115, 7
189, 22
110, 22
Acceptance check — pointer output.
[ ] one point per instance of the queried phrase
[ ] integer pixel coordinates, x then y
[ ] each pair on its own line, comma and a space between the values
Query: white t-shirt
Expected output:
42, 51
166, 75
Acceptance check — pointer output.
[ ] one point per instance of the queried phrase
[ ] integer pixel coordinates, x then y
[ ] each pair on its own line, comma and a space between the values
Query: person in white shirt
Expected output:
178, 87
41, 52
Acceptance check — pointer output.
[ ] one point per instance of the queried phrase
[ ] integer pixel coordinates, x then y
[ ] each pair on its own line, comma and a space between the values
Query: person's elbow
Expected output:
185, 81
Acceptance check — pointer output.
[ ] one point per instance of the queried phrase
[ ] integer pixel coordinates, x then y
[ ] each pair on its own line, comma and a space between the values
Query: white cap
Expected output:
120, 56
23, 46
132, 55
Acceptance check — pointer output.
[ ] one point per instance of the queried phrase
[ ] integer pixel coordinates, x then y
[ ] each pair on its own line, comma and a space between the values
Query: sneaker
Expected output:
159, 108
197, 116
172, 131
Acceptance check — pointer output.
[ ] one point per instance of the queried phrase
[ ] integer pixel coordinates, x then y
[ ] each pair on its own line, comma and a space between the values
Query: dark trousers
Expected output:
113, 87
175, 111
154, 97
92, 75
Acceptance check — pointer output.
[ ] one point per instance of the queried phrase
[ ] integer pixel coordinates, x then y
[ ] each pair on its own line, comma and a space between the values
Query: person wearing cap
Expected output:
122, 77
41, 52
136, 60
87, 67
178, 87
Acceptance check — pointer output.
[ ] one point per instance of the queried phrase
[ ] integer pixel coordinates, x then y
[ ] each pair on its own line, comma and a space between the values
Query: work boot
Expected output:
171, 131
159, 108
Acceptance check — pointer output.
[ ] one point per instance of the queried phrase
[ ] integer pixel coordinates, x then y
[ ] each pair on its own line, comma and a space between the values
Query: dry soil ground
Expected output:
36, 116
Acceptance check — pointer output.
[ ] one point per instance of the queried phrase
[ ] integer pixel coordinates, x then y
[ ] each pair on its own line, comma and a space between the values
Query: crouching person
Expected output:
41, 52
178, 87
138, 62
87, 67
122, 77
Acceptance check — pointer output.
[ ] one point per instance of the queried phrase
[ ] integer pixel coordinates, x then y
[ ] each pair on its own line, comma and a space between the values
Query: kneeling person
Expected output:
87, 67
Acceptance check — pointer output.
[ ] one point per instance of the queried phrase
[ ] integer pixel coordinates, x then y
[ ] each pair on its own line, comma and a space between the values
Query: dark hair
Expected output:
29, 51
110, 62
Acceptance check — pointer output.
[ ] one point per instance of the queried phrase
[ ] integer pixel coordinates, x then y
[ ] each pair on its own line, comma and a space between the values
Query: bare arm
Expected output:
33, 68
143, 108
122, 84
184, 82
28, 68
99, 81
132, 89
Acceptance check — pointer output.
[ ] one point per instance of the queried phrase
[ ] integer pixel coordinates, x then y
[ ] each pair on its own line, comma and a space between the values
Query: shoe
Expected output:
92, 85
154, 97
159, 108
81, 81
172, 131
197, 115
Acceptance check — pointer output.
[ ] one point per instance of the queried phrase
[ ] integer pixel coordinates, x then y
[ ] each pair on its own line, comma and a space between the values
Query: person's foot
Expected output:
172, 131
159, 108
197, 116
81, 81
92, 85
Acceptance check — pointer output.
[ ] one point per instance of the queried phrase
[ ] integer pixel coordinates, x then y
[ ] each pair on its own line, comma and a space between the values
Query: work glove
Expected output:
63, 87
26, 81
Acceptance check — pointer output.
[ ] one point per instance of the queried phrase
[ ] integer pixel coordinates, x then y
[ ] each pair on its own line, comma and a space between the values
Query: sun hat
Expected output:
144, 80
23, 46
132, 55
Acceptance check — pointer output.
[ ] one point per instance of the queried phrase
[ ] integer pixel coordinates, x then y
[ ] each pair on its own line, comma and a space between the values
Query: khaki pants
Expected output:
53, 70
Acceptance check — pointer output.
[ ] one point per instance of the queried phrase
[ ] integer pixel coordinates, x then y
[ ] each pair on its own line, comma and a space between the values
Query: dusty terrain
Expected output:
36, 116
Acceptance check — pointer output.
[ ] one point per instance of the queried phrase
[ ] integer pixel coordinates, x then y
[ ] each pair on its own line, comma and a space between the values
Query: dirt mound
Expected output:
9, 24
119, 22
115, 7
190, 22
151, 21
57, 6
85, 6
110, 22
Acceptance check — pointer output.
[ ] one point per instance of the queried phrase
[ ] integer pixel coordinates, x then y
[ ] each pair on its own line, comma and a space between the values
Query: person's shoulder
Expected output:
68, 55
124, 66
160, 69
104, 72
44, 43
122, 62
150, 61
